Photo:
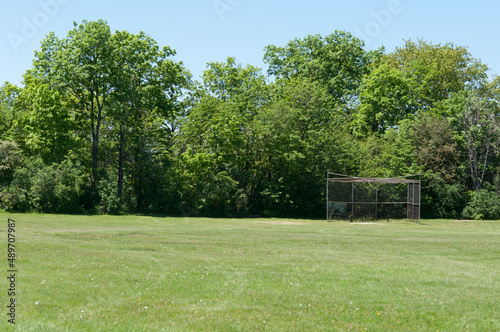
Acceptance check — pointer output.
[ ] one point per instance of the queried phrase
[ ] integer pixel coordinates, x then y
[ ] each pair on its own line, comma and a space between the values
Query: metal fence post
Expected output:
327, 175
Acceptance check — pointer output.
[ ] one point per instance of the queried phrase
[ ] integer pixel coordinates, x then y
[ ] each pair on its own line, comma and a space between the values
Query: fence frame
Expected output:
413, 197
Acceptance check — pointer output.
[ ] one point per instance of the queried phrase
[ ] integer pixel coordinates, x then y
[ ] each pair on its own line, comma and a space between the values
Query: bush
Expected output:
14, 199
10, 158
484, 204
56, 188
16, 196
109, 202
440, 199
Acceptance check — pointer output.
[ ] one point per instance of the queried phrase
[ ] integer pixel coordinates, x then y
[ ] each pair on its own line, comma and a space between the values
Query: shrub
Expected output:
484, 204
56, 188
440, 199
10, 158
109, 202
14, 199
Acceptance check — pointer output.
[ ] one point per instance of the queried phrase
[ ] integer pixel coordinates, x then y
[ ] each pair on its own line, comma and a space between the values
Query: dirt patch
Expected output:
279, 222
468, 220
368, 223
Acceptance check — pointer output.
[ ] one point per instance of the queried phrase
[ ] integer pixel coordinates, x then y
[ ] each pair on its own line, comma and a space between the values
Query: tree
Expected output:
385, 100
147, 91
300, 137
481, 135
115, 93
439, 157
337, 61
484, 204
414, 79
10, 158
436, 147
436, 72
8, 95
81, 66
216, 145
46, 119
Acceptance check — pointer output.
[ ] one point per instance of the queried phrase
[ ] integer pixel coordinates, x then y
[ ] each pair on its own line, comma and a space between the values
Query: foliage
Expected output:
481, 135
337, 61
436, 148
47, 120
484, 204
437, 71
109, 202
301, 138
94, 85
218, 147
10, 159
412, 80
56, 188
441, 199
110, 122
385, 100
8, 96
389, 155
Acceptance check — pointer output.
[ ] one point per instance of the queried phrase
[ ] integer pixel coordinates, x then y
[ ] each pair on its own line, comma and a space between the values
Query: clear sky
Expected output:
203, 31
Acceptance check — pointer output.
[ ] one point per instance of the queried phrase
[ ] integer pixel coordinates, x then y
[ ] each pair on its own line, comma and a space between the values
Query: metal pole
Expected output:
413, 210
408, 203
352, 202
327, 175
419, 196
376, 203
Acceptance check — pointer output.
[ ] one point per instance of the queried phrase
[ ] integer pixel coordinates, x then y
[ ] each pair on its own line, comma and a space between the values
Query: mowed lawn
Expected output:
136, 273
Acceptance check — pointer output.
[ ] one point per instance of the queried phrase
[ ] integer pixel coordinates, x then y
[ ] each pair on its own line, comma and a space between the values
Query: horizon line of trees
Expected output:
110, 123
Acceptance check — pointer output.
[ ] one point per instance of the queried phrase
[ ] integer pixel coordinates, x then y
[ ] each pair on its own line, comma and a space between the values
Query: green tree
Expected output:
436, 148
216, 143
146, 99
414, 79
56, 188
438, 71
337, 61
82, 68
439, 157
484, 204
385, 99
113, 94
8, 116
390, 154
481, 135
47, 121
473, 116
10, 159
301, 139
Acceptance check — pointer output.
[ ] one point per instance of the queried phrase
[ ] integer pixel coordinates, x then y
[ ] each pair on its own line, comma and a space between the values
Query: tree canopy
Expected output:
111, 122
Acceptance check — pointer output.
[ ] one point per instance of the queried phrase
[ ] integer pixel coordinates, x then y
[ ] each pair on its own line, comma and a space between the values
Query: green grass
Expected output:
133, 273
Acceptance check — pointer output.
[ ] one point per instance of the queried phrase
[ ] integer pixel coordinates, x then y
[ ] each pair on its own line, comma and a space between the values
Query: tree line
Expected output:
112, 123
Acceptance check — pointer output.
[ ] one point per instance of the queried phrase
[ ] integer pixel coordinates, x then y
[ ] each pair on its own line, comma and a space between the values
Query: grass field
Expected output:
135, 273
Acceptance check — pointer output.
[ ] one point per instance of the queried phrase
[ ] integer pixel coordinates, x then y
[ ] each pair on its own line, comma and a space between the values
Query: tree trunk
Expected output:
95, 151
120, 161
95, 142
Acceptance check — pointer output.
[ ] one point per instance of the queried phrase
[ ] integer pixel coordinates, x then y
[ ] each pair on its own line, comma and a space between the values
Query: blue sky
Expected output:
203, 31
